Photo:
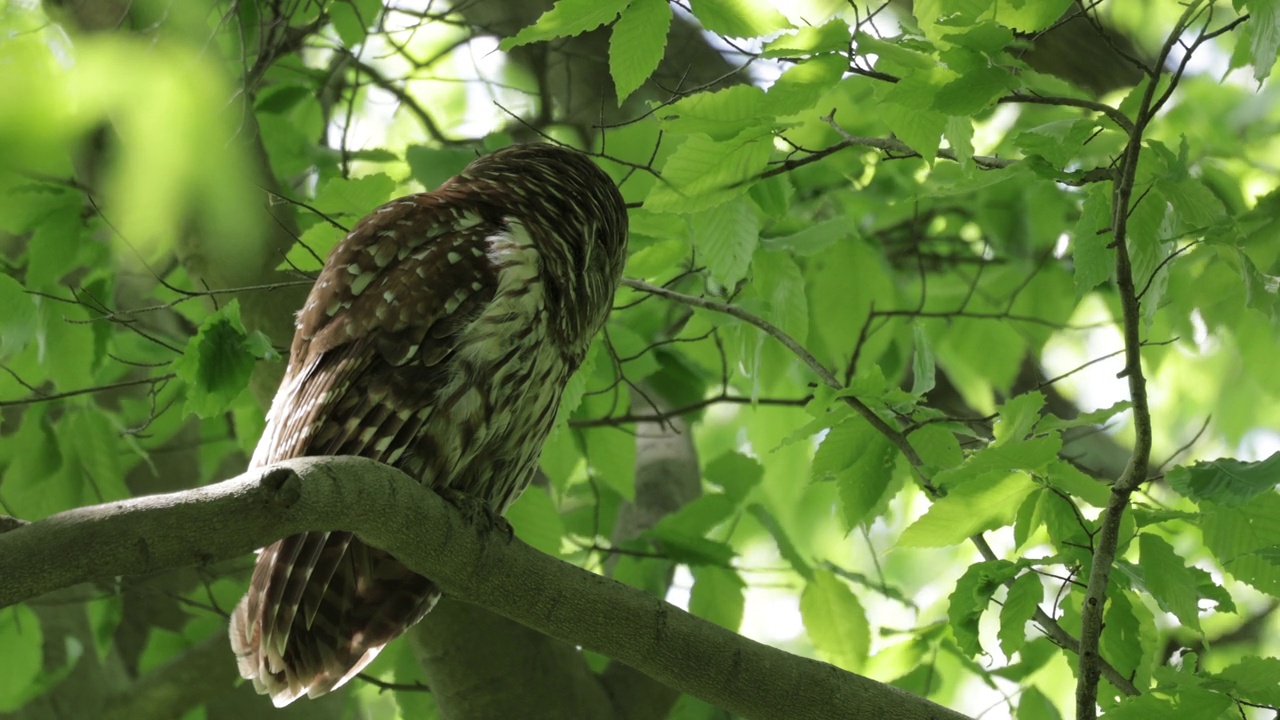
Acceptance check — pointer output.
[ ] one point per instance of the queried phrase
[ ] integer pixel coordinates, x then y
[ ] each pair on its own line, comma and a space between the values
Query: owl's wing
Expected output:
370, 355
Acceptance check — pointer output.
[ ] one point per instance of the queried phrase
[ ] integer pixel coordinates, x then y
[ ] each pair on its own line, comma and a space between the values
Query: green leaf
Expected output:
780, 283
1019, 607
785, 547
217, 363
721, 114
355, 197
1031, 15
19, 321
1097, 417
923, 366
836, 623
611, 454
704, 172
1264, 19
567, 19
803, 84
973, 92
54, 246
833, 36
1035, 705
22, 640
408, 672
972, 596
969, 509
738, 18
535, 520
351, 27
1017, 417
725, 238
1033, 455
1168, 579
937, 446
812, 239
690, 549
1059, 141
637, 44
1261, 291
632, 351
1226, 481
90, 441
1254, 679
736, 473
717, 595
1091, 251
861, 462
1066, 477
431, 166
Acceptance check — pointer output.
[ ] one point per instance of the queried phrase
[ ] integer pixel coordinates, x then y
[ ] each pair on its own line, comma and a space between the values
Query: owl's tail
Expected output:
320, 607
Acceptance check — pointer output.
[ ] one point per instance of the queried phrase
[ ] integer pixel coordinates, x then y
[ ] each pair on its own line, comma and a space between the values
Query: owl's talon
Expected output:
477, 511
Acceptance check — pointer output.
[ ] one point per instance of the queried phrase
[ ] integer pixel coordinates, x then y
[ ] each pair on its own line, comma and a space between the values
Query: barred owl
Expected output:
437, 339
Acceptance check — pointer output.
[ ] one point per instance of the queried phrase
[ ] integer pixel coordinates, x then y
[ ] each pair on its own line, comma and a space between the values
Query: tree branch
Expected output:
388, 510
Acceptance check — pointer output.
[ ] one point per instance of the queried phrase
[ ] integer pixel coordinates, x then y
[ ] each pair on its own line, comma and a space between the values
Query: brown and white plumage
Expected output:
438, 339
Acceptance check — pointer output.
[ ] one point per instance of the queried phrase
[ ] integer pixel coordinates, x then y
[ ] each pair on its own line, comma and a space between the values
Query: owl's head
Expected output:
570, 207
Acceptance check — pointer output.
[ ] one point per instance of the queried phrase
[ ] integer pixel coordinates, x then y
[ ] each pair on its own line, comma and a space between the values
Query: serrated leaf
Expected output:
19, 321
567, 18
1033, 455
90, 441
431, 166
704, 172
1019, 607
812, 239
637, 44
1030, 16
700, 516
1255, 679
1264, 19
355, 197
611, 454
720, 115
22, 640
1097, 417
738, 18
923, 364
835, 621
1035, 705
1226, 481
971, 597
804, 83
1168, 579
717, 595
1017, 417
725, 238
1058, 141
690, 549
781, 284
973, 92
1091, 251
1068, 478
937, 446
969, 509
785, 547
216, 363
832, 36
1261, 291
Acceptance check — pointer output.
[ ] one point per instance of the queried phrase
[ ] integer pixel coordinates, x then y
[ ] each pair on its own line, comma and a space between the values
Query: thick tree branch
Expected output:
389, 510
